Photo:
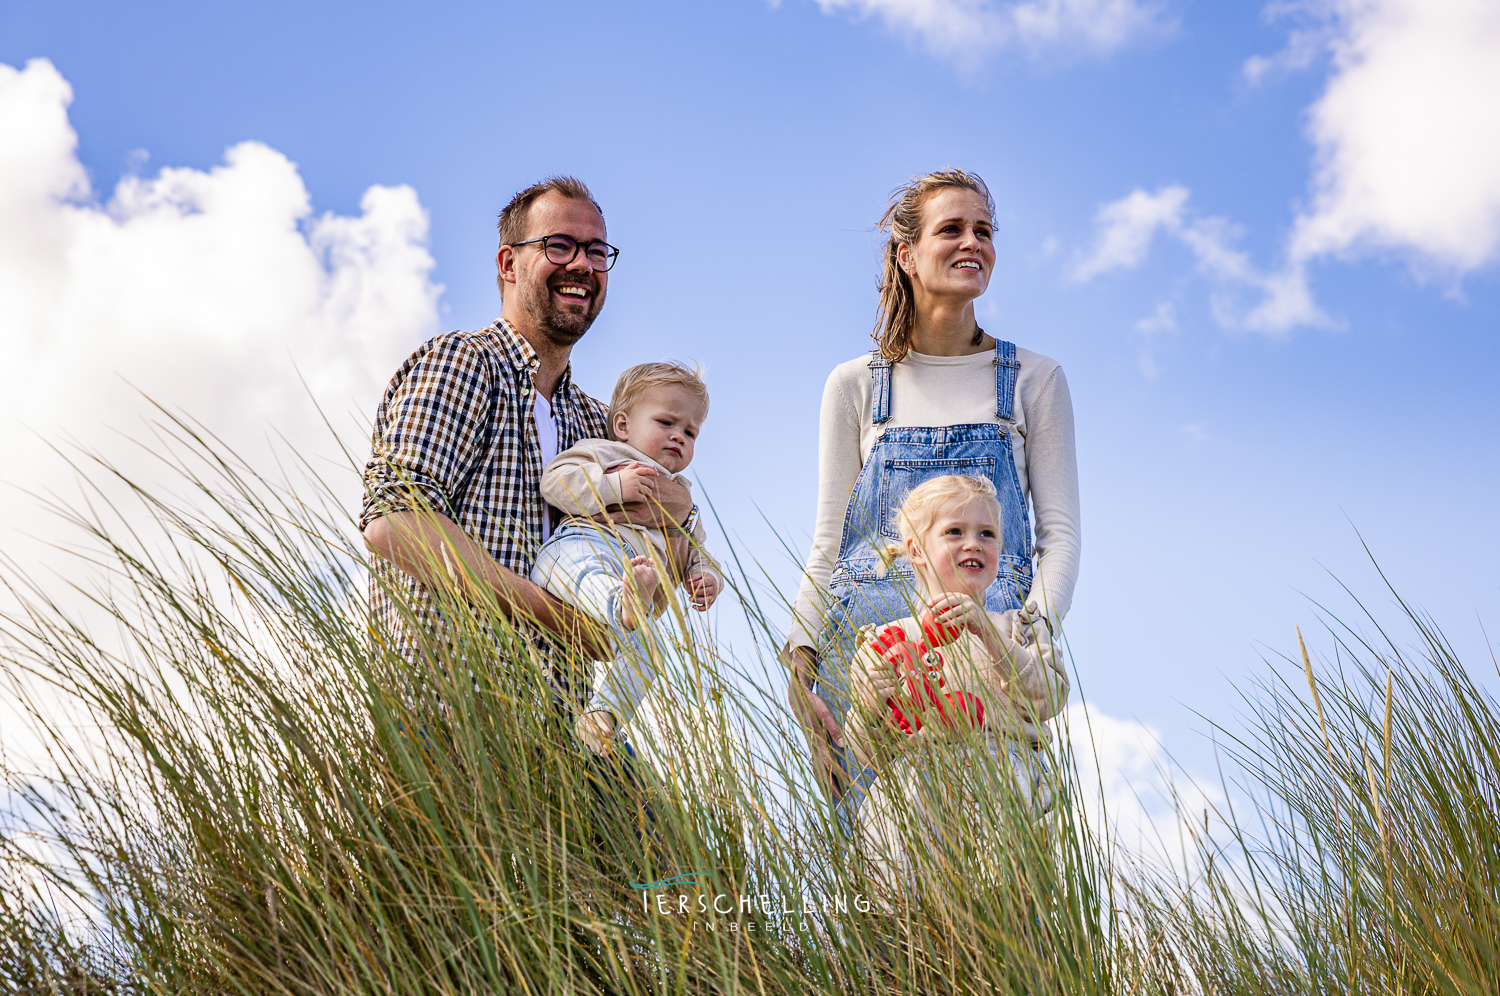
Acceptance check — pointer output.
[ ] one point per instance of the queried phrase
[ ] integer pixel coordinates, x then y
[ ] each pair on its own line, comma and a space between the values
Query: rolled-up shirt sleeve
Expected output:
430, 431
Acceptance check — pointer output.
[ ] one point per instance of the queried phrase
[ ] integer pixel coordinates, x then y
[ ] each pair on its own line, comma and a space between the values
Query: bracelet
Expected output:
691, 524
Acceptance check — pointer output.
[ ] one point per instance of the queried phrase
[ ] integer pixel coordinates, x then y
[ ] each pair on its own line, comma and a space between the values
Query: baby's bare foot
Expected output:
637, 592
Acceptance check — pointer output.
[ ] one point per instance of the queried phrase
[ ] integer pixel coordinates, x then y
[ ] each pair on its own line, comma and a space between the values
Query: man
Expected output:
452, 496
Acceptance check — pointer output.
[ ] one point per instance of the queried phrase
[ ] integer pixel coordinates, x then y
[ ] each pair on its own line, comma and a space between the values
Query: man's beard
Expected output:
563, 328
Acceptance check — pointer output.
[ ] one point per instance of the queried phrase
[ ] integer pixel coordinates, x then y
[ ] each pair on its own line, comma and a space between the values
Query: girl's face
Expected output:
960, 552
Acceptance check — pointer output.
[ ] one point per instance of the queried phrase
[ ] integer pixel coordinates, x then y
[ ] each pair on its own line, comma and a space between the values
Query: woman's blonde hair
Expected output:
642, 377
897, 314
926, 501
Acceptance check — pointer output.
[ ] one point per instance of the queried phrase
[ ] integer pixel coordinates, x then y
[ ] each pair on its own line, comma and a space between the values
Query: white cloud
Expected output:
208, 291
1305, 43
1407, 134
1133, 787
1407, 159
1159, 322
1125, 229
967, 29
1163, 319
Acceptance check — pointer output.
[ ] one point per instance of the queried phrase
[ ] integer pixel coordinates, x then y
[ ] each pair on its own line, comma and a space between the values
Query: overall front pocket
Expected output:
901, 475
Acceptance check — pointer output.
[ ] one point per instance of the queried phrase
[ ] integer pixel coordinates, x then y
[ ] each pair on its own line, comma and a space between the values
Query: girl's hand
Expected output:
960, 610
702, 590
874, 680
637, 482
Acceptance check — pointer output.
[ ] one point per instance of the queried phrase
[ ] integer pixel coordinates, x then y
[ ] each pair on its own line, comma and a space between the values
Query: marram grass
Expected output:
267, 799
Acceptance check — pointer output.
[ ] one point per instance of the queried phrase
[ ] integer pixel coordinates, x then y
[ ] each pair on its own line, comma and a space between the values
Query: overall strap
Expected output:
880, 374
1007, 367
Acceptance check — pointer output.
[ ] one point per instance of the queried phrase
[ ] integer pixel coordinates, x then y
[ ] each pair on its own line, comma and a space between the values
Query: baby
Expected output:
958, 679
619, 574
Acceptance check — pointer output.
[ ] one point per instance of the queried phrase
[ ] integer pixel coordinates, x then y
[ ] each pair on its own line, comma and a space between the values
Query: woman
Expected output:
938, 396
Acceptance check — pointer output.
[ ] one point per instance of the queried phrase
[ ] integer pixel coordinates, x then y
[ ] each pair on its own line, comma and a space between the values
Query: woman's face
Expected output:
956, 251
960, 551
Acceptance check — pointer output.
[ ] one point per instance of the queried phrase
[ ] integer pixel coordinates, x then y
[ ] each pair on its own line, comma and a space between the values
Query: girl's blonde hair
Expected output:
897, 314
642, 377
926, 501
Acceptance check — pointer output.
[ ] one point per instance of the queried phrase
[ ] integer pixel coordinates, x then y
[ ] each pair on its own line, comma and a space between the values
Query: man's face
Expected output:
560, 302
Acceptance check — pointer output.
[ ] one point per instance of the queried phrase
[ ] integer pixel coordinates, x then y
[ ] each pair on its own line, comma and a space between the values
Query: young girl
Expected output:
949, 695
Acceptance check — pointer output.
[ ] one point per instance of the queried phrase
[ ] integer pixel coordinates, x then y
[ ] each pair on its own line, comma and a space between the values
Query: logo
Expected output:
668, 897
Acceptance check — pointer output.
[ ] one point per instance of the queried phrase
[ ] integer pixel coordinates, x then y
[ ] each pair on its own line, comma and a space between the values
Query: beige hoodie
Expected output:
578, 483
1019, 692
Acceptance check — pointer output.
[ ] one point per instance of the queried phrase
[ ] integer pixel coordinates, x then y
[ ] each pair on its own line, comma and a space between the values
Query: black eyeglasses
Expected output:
563, 249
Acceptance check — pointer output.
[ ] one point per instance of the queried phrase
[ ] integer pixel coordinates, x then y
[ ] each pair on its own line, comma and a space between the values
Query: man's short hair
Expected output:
642, 377
515, 215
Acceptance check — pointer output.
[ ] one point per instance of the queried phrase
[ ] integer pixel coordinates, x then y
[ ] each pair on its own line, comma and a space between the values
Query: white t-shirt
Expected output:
546, 437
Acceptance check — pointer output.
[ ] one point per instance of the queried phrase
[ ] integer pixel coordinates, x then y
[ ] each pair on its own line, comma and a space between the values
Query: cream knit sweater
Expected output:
949, 390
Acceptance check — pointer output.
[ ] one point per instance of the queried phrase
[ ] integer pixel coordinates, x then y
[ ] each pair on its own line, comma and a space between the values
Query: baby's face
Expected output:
960, 551
663, 424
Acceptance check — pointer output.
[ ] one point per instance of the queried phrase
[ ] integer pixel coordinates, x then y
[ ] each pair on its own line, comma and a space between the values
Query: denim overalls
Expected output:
864, 591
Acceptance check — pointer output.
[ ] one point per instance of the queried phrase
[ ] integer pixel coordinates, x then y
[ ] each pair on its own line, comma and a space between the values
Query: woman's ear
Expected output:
903, 258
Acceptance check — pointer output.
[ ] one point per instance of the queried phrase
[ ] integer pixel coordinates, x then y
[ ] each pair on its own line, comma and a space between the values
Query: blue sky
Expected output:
742, 151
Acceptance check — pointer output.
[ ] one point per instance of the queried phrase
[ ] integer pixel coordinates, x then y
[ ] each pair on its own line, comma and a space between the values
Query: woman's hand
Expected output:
820, 729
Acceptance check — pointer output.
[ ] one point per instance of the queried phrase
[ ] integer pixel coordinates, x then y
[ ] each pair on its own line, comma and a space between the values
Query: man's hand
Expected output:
702, 590
637, 483
665, 509
597, 730
819, 727
431, 548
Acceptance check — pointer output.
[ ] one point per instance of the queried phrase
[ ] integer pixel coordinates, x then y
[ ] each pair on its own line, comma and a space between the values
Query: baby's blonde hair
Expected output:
642, 377
925, 501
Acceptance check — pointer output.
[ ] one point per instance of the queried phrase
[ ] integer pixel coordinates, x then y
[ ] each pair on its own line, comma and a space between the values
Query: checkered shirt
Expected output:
456, 427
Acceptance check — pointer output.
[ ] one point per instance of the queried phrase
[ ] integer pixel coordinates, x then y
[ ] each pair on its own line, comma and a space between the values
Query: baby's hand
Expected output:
636, 482
702, 590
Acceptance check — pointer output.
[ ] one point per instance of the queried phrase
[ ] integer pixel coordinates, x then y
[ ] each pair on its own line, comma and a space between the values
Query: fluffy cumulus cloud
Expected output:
218, 294
968, 29
1407, 133
1406, 139
1244, 296
210, 292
